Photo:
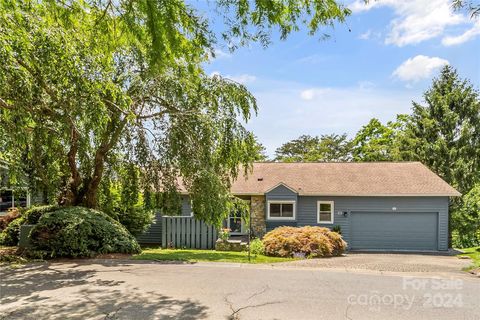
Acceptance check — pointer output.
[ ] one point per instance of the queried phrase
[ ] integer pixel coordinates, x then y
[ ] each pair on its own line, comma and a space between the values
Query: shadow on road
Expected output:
33, 292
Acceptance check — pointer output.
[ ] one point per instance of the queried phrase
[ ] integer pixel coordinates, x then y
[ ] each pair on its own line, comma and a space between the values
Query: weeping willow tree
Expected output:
88, 85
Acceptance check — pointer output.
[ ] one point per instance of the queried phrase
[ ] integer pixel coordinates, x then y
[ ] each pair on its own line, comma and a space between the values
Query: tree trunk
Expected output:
90, 199
84, 191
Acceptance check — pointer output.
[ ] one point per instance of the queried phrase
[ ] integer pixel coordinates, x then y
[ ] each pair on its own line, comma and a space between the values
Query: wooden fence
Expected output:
187, 232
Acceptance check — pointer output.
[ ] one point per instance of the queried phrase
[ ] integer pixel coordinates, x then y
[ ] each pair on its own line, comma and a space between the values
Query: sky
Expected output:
377, 63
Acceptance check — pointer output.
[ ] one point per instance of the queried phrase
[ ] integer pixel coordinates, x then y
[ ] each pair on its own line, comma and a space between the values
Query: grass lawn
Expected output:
192, 255
474, 254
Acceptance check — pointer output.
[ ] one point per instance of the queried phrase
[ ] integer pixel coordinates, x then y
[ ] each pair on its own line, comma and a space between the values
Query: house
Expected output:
14, 196
376, 205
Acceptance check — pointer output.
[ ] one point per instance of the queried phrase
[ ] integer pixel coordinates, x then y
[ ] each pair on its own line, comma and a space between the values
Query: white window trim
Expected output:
282, 202
332, 210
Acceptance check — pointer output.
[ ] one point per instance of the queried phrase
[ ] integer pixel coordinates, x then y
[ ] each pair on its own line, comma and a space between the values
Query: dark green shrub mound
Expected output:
11, 234
81, 232
311, 241
32, 215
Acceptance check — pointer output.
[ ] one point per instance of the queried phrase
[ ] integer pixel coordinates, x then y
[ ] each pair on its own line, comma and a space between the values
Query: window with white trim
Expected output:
281, 210
325, 211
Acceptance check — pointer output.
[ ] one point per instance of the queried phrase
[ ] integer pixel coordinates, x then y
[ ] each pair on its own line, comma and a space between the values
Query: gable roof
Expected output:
345, 179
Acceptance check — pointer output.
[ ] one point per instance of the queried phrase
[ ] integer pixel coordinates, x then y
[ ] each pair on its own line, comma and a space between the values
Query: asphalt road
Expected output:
133, 290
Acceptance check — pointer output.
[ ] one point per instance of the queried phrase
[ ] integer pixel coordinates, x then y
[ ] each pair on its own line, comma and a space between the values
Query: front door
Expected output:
236, 223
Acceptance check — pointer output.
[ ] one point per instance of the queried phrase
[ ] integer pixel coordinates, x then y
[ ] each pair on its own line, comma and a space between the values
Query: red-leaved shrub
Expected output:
5, 220
309, 240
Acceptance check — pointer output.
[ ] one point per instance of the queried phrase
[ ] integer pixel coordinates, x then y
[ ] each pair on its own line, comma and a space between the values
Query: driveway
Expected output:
108, 289
389, 262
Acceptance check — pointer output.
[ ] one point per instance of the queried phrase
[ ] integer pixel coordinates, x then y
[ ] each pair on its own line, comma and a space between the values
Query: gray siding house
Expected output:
377, 205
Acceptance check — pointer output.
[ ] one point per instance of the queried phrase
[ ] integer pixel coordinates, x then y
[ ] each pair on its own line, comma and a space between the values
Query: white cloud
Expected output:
464, 37
219, 54
370, 35
215, 73
366, 35
415, 20
312, 59
310, 94
366, 85
288, 110
418, 68
241, 78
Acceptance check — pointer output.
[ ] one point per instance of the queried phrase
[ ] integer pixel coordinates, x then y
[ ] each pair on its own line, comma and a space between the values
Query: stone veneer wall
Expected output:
257, 207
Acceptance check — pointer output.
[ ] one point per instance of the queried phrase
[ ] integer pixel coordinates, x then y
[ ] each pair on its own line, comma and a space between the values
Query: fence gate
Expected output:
187, 232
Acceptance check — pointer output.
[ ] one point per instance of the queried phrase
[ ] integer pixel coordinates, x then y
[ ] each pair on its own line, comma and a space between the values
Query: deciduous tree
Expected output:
308, 148
86, 85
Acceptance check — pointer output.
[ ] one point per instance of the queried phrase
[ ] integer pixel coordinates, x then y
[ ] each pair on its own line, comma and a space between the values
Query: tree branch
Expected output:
5, 105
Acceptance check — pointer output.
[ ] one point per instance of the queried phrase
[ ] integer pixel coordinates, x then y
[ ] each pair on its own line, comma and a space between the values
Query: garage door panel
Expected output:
398, 230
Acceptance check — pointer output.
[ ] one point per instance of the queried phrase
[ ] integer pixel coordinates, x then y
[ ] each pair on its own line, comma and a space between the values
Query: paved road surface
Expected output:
132, 290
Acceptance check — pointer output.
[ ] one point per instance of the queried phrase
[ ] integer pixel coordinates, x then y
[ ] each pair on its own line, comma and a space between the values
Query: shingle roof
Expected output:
345, 179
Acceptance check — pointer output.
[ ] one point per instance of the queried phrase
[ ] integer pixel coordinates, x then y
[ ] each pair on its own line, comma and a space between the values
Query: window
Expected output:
281, 210
10, 199
325, 211
6, 200
235, 223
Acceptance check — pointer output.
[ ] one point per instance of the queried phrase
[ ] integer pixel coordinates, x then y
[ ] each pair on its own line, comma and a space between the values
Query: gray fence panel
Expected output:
197, 234
164, 233
187, 232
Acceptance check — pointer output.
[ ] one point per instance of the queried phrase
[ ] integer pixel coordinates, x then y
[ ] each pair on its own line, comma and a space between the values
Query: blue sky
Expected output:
304, 85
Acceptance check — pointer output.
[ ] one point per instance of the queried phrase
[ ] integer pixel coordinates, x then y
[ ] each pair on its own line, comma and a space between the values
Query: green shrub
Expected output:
11, 234
81, 232
466, 220
33, 214
310, 241
257, 247
136, 219
338, 229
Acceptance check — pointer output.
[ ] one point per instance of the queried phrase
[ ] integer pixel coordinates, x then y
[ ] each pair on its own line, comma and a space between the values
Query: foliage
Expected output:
11, 215
224, 234
378, 142
204, 255
122, 200
473, 7
309, 240
474, 254
80, 232
444, 134
260, 152
86, 86
337, 228
11, 234
136, 220
466, 220
257, 247
34, 214
311, 149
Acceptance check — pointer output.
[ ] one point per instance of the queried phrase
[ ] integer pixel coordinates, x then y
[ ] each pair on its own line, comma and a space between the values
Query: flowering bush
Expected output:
224, 234
310, 241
